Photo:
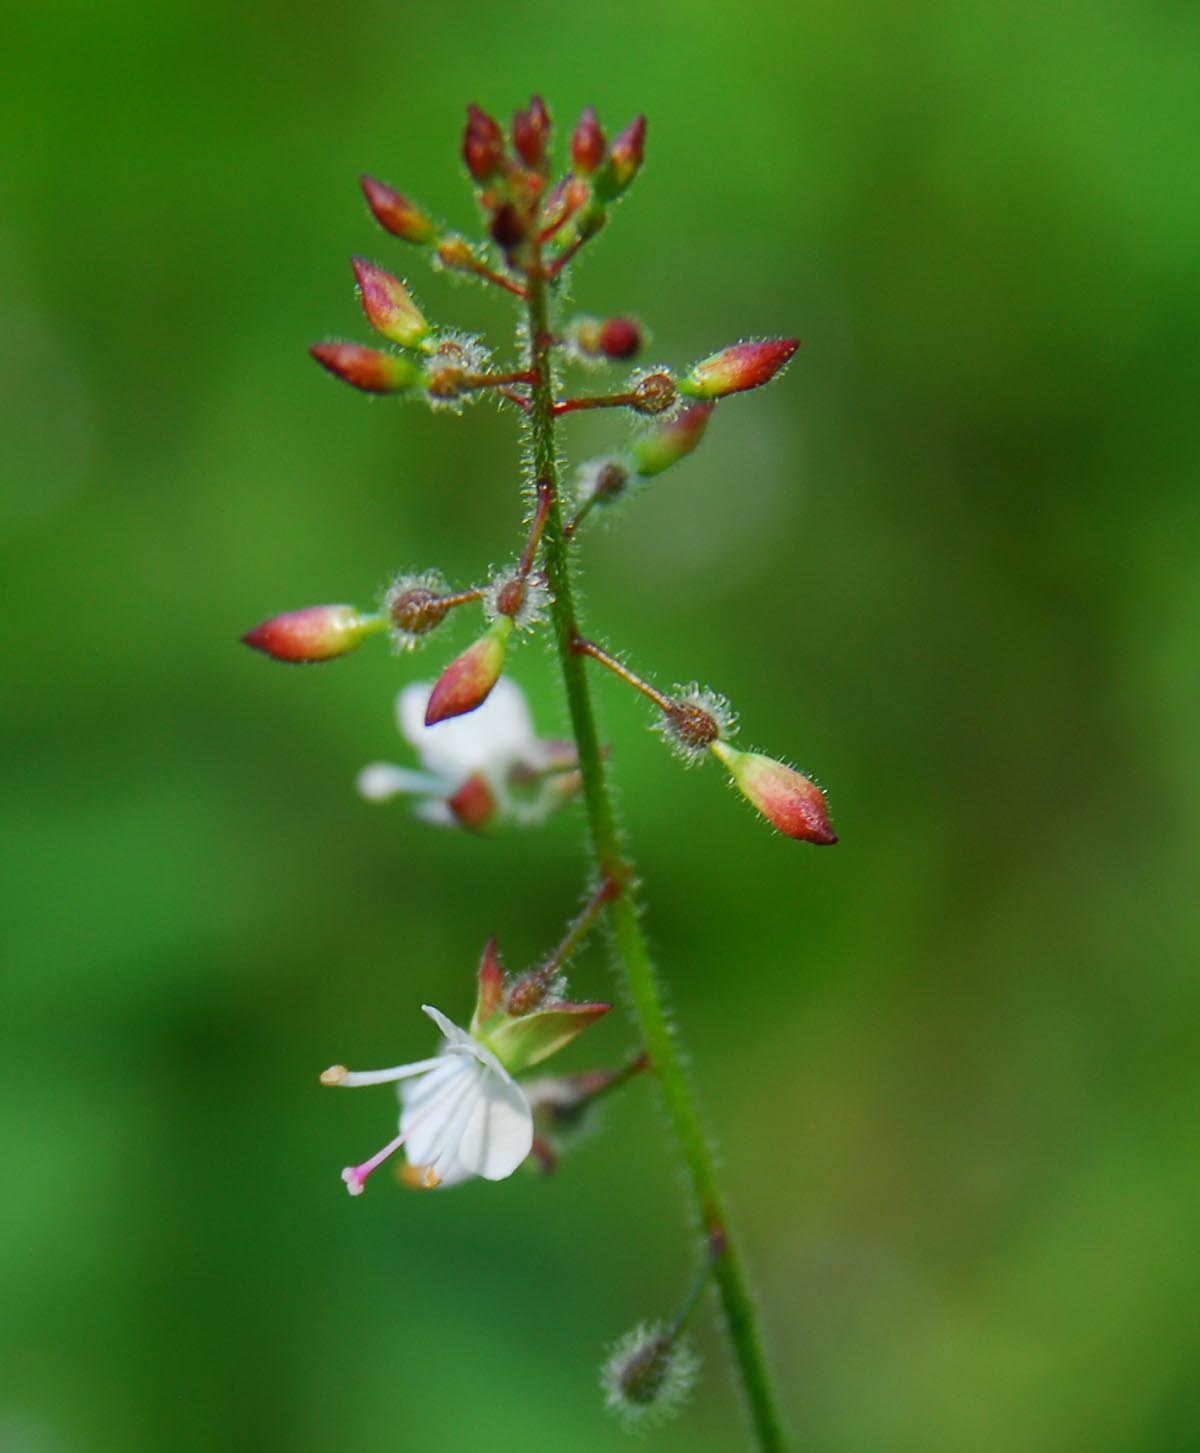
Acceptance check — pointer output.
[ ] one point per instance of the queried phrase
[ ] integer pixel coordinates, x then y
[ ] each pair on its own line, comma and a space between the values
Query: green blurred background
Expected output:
949, 565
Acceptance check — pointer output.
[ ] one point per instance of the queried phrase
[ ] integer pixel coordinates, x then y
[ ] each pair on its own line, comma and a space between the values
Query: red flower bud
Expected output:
389, 309
317, 633
531, 133
619, 338
625, 154
397, 214
660, 447
367, 368
587, 143
733, 370
785, 797
468, 680
508, 229
483, 145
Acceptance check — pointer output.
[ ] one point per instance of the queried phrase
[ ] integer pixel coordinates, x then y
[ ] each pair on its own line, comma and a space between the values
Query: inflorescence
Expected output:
465, 1112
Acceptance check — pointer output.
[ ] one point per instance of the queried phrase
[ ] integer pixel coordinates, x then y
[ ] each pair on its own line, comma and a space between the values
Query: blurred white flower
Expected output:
463, 1114
477, 769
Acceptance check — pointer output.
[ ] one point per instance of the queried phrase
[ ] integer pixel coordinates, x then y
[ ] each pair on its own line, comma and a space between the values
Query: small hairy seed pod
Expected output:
654, 393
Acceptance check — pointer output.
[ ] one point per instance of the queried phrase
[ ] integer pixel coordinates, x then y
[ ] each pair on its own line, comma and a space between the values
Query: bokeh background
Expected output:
949, 565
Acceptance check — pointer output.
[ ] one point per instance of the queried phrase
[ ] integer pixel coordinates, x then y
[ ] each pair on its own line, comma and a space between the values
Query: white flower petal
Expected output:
460, 1042
425, 1120
434, 811
379, 781
499, 1131
501, 730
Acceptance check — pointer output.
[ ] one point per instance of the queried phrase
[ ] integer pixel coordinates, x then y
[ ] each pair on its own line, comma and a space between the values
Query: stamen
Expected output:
355, 1176
353, 1079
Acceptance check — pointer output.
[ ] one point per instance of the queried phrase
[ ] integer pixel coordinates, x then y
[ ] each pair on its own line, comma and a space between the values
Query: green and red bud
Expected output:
531, 133
483, 145
389, 308
316, 633
468, 680
367, 368
741, 367
587, 143
785, 797
396, 214
626, 153
666, 444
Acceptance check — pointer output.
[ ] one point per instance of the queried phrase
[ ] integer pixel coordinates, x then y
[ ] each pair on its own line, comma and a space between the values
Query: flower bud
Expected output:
733, 370
317, 633
620, 338
649, 1375
653, 393
625, 154
469, 678
367, 368
531, 133
397, 214
483, 145
509, 231
612, 338
785, 797
587, 143
389, 308
669, 442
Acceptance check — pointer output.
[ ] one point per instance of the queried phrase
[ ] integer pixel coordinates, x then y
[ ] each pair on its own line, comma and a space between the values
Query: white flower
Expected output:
485, 764
463, 1114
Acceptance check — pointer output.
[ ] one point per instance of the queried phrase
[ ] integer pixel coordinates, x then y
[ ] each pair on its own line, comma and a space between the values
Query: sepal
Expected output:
491, 987
473, 802
525, 1040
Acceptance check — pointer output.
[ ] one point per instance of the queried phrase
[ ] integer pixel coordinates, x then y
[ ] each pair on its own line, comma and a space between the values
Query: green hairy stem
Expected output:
661, 1041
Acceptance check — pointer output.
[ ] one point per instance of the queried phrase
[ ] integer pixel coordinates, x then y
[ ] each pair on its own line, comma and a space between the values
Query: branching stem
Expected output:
618, 668
658, 1036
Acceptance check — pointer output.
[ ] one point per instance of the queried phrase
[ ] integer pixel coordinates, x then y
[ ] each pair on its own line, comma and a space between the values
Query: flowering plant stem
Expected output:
659, 1038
